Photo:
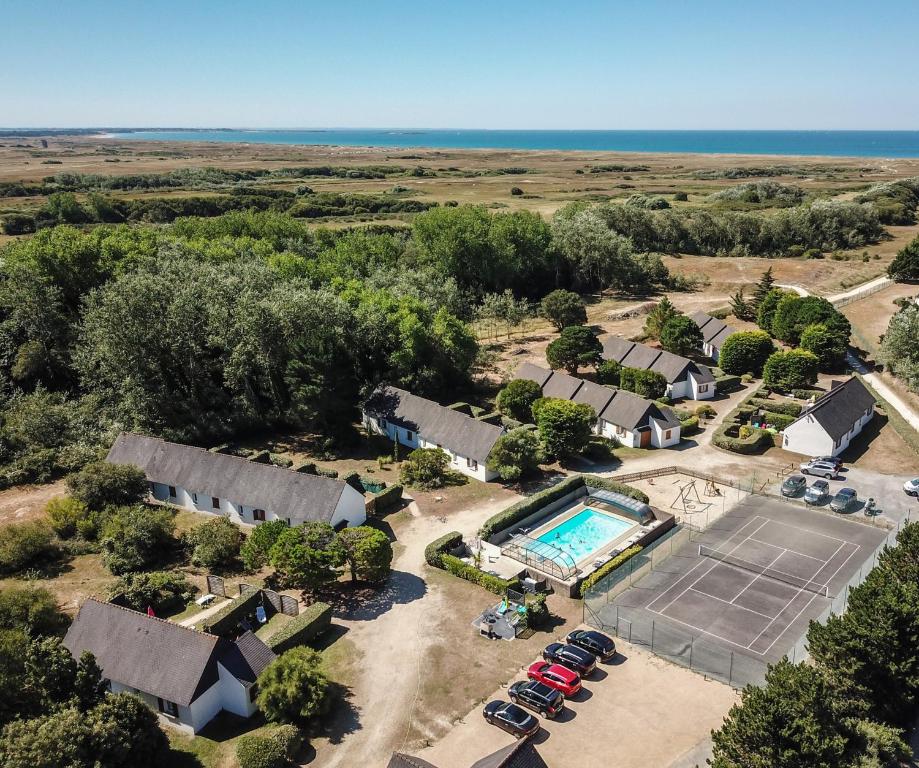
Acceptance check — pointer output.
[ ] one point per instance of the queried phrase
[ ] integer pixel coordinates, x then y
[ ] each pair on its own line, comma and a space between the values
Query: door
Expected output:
644, 437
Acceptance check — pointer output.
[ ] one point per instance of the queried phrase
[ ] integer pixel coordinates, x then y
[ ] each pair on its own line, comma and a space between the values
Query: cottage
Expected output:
714, 332
684, 377
521, 754
632, 420
828, 426
245, 491
185, 675
419, 423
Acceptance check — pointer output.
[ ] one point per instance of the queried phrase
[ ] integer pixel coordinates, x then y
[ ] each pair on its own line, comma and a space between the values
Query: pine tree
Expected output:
740, 307
765, 284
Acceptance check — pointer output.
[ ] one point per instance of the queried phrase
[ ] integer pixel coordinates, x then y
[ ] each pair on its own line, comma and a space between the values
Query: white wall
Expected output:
659, 437
205, 707
626, 437
234, 695
678, 389
808, 438
351, 508
698, 390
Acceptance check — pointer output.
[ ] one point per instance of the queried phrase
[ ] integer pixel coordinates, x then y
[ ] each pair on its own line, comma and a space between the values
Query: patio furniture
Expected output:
206, 600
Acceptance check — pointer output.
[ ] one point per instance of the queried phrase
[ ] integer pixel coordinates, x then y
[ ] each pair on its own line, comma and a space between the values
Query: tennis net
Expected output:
791, 580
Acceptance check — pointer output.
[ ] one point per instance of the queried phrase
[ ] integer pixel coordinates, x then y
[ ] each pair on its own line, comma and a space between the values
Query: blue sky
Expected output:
464, 64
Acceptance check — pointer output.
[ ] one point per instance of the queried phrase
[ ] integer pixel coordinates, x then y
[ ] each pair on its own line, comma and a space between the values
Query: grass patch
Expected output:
900, 425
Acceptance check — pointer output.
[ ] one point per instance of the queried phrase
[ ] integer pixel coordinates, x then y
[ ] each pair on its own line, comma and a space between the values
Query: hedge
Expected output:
388, 498
758, 441
311, 623
778, 420
468, 572
608, 568
517, 512
227, 618
788, 408
727, 383
689, 426
806, 393
605, 484
434, 551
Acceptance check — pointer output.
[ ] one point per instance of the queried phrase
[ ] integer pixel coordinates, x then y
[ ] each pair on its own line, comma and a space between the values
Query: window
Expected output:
194, 498
409, 435
215, 502
703, 387
667, 434
259, 514
472, 464
167, 707
253, 692
172, 491
382, 423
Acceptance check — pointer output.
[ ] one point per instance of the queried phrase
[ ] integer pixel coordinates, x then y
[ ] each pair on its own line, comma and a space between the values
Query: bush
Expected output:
427, 468
293, 688
705, 411
31, 610
649, 384
515, 454
730, 383
225, 621
564, 426
300, 630
828, 345
745, 351
64, 514
790, 370
689, 426
794, 314
756, 442
387, 499
24, 544
607, 568
608, 372
136, 538
434, 551
786, 408
517, 398
905, 265
606, 484
163, 591
563, 308
254, 751
254, 550
575, 347
101, 484
468, 572
681, 335
805, 393
215, 544
368, 553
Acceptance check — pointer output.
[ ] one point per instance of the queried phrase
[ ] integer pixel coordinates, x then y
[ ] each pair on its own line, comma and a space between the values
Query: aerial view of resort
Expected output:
421, 385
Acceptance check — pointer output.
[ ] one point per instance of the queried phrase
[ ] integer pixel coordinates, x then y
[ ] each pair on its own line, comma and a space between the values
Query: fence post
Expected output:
731, 670
652, 634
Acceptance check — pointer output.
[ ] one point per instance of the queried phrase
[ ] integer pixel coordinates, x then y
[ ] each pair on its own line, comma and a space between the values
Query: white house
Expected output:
185, 675
244, 491
416, 422
632, 420
685, 379
714, 332
830, 424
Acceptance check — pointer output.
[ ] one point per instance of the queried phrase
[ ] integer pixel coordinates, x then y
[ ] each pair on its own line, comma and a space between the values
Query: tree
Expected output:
900, 346
795, 313
576, 346
368, 553
31, 609
129, 733
829, 346
741, 308
563, 308
293, 687
101, 484
515, 454
50, 673
136, 538
762, 289
564, 426
63, 738
609, 372
160, 590
308, 557
517, 398
215, 544
657, 318
681, 335
598, 257
65, 513
255, 549
745, 352
89, 687
24, 544
426, 468
794, 369
765, 309
905, 265
649, 384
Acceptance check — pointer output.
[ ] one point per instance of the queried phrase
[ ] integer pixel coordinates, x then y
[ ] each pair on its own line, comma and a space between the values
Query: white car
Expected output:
912, 487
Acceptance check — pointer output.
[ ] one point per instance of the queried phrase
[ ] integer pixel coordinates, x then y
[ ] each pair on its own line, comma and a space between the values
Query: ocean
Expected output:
830, 143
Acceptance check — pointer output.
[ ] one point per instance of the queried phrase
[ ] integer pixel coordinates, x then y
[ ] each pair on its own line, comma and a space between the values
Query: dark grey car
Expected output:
844, 500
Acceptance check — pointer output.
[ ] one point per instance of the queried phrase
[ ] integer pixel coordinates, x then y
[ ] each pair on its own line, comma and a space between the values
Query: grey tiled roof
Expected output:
714, 331
597, 396
531, 372
628, 410
521, 754
442, 426
634, 355
247, 657
616, 348
702, 374
671, 367
839, 409
561, 385
399, 760
296, 495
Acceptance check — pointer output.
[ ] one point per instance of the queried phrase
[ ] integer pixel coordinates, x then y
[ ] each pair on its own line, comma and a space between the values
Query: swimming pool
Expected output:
585, 532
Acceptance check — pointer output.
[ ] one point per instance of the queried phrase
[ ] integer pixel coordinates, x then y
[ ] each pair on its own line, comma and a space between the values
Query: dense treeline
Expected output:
894, 201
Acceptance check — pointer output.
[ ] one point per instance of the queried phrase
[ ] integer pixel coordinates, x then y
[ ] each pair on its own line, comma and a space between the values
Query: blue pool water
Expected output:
584, 533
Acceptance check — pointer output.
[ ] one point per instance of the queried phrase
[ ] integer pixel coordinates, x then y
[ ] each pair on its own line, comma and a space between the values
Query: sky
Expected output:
577, 64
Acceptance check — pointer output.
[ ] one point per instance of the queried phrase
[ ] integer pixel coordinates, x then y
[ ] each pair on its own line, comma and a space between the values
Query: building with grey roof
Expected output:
185, 675
684, 377
416, 422
561, 385
521, 754
245, 491
828, 426
714, 332
531, 372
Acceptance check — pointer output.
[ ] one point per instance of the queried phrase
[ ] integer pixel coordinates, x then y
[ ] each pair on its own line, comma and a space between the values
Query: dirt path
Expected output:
24, 502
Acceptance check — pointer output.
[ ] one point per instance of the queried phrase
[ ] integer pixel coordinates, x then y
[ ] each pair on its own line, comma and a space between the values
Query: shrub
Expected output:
576, 346
805, 393
388, 499
427, 468
649, 384
135, 538
64, 514
606, 484
608, 372
563, 308
368, 553
787, 408
745, 351
293, 688
681, 335
32, 610
607, 568
301, 629
101, 484
777, 420
308, 557
160, 590
705, 411
468, 572
905, 265
254, 751
828, 345
215, 544
24, 544
254, 550
434, 550
225, 621
564, 426
730, 383
757, 441
517, 398
689, 426
526, 507
515, 454
794, 314
790, 370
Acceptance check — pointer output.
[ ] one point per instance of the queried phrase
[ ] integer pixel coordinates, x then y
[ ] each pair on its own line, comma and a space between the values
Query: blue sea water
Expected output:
830, 143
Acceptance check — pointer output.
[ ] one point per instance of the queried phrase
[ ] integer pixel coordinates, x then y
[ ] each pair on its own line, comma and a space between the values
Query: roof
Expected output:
451, 429
157, 656
627, 410
701, 373
597, 396
634, 355
531, 372
714, 331
839, 409
616, 348
296, 495
521, 754
561, 385
671, 367
399, 760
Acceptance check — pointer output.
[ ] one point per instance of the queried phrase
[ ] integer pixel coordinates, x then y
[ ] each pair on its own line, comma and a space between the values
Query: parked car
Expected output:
576, 659
844, 500
596, 643
834, 460
510, 718
793, 485
537, 696
911, 487
555, 676
819, 468
818, 492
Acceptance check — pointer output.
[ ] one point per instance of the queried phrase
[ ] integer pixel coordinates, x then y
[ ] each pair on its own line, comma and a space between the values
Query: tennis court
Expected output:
754, 580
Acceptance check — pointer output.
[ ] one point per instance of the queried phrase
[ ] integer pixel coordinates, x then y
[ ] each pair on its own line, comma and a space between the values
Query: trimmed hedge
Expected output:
787, 408
758, 441
689, 426
608, 568
468, 572
388, 498
226, 619
526, 507
606, 484
806, 393
727, 383
434, 551
311, 623
778, 420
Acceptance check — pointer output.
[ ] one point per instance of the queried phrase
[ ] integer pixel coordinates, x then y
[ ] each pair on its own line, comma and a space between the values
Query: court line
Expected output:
808, 530
795, 551
755, 580
728, 602
785, 573
710, 634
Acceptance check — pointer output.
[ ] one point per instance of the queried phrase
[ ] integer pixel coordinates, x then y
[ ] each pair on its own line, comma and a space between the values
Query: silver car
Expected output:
818, 492
819, 468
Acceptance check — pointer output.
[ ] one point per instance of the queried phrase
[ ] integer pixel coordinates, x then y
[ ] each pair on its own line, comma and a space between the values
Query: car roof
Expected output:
796, 478
846, 492
822, 483
563, 672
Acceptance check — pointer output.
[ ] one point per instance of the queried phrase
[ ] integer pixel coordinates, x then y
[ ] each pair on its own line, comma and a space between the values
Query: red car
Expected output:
555, 676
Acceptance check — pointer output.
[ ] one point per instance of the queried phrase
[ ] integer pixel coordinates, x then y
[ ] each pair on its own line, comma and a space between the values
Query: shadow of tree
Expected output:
360, 602
341, 719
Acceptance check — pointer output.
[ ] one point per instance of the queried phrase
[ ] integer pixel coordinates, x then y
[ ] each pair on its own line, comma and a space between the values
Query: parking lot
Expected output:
635, 710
